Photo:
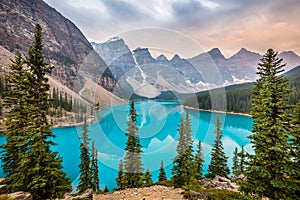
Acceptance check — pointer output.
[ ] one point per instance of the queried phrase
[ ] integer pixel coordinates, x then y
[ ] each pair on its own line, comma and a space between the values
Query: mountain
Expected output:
139, 74
236, 98
65, 46
243, 64
145, 76
116, 55
290, 58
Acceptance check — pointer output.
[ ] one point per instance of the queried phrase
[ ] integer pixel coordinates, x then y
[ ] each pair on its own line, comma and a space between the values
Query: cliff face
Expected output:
64, 44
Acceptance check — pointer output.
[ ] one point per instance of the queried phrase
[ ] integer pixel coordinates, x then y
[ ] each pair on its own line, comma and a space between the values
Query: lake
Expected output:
158, 122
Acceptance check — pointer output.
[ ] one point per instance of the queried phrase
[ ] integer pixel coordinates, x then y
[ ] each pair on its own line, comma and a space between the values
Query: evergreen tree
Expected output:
199, 161
132, 161
162, 174
236, 163
106, 190
85, 179
218, 163
94, 168
295, 143
183, 169
39, 169
17, 121
270, 172
119, 179
147, 180
242, 164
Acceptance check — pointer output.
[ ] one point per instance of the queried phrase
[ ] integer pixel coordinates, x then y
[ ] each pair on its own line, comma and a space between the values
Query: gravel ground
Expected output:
156, 192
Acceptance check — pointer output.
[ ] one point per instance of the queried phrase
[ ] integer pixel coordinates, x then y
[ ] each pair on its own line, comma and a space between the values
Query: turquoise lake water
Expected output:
158, 122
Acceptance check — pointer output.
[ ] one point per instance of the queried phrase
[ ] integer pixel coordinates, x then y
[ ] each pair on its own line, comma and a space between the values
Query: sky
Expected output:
176, 25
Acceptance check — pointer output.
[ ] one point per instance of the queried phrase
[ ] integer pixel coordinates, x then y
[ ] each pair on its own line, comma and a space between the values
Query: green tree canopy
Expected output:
218, 162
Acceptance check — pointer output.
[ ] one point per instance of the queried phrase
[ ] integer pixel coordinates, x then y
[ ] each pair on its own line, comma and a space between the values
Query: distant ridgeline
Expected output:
238, 96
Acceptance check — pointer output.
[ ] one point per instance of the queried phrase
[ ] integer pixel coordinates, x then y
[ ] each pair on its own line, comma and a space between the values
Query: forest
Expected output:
238, 97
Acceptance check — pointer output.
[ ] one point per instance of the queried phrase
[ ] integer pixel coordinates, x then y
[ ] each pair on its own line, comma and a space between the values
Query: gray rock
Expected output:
20, 195
237, 178
197, 196
3, 189
86, 194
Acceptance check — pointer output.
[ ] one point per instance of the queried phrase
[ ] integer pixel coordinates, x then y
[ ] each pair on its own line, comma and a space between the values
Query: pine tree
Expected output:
199, 161
85, 179
242, 164
183, 169
106, 190
218, 163
270, 172
295, 143
94, 169
236, 163
132, 161
119, 179
39, 169
147, 180
162, 174
17, 121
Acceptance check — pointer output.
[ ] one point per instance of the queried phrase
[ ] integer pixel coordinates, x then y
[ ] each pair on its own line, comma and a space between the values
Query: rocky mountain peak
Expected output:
175, 58
143, 56
216, 55
290, 58
64, 44
162, 58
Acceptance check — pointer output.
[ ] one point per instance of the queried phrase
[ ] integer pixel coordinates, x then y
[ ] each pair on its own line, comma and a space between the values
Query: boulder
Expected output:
197, 196
237, 178
20, 196
88, 194
220, 183
3, 189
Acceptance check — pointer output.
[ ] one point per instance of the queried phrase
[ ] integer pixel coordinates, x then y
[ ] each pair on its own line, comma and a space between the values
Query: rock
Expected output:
197, 196
20, 196
221, 179
86, 194
237, 178
3, 189
221, 183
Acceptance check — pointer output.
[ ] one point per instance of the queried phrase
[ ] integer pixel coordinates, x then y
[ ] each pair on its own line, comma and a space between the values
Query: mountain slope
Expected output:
65, 46
238, 96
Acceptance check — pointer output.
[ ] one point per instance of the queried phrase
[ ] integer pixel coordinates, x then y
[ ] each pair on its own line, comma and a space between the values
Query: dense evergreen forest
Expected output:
238, 96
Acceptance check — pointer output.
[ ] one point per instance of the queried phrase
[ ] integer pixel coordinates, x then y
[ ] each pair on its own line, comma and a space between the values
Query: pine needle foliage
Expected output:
218, 163
271, 172
34, 168
133, 167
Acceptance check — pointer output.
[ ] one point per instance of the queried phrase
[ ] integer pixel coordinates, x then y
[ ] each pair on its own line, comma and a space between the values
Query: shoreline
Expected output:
217, 111
67, 125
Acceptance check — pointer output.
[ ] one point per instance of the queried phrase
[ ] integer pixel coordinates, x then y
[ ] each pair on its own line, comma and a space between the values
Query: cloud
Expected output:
229, 24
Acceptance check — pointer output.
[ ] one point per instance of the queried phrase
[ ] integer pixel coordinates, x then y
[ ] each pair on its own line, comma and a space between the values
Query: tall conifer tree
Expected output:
119, 179
183, 169
270, 171
95, 168
147, 178
199, 161
162, 174
295, 143
85, 179
133, 169
15, 102
39, 169
235, 163
242, 165
218, 163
